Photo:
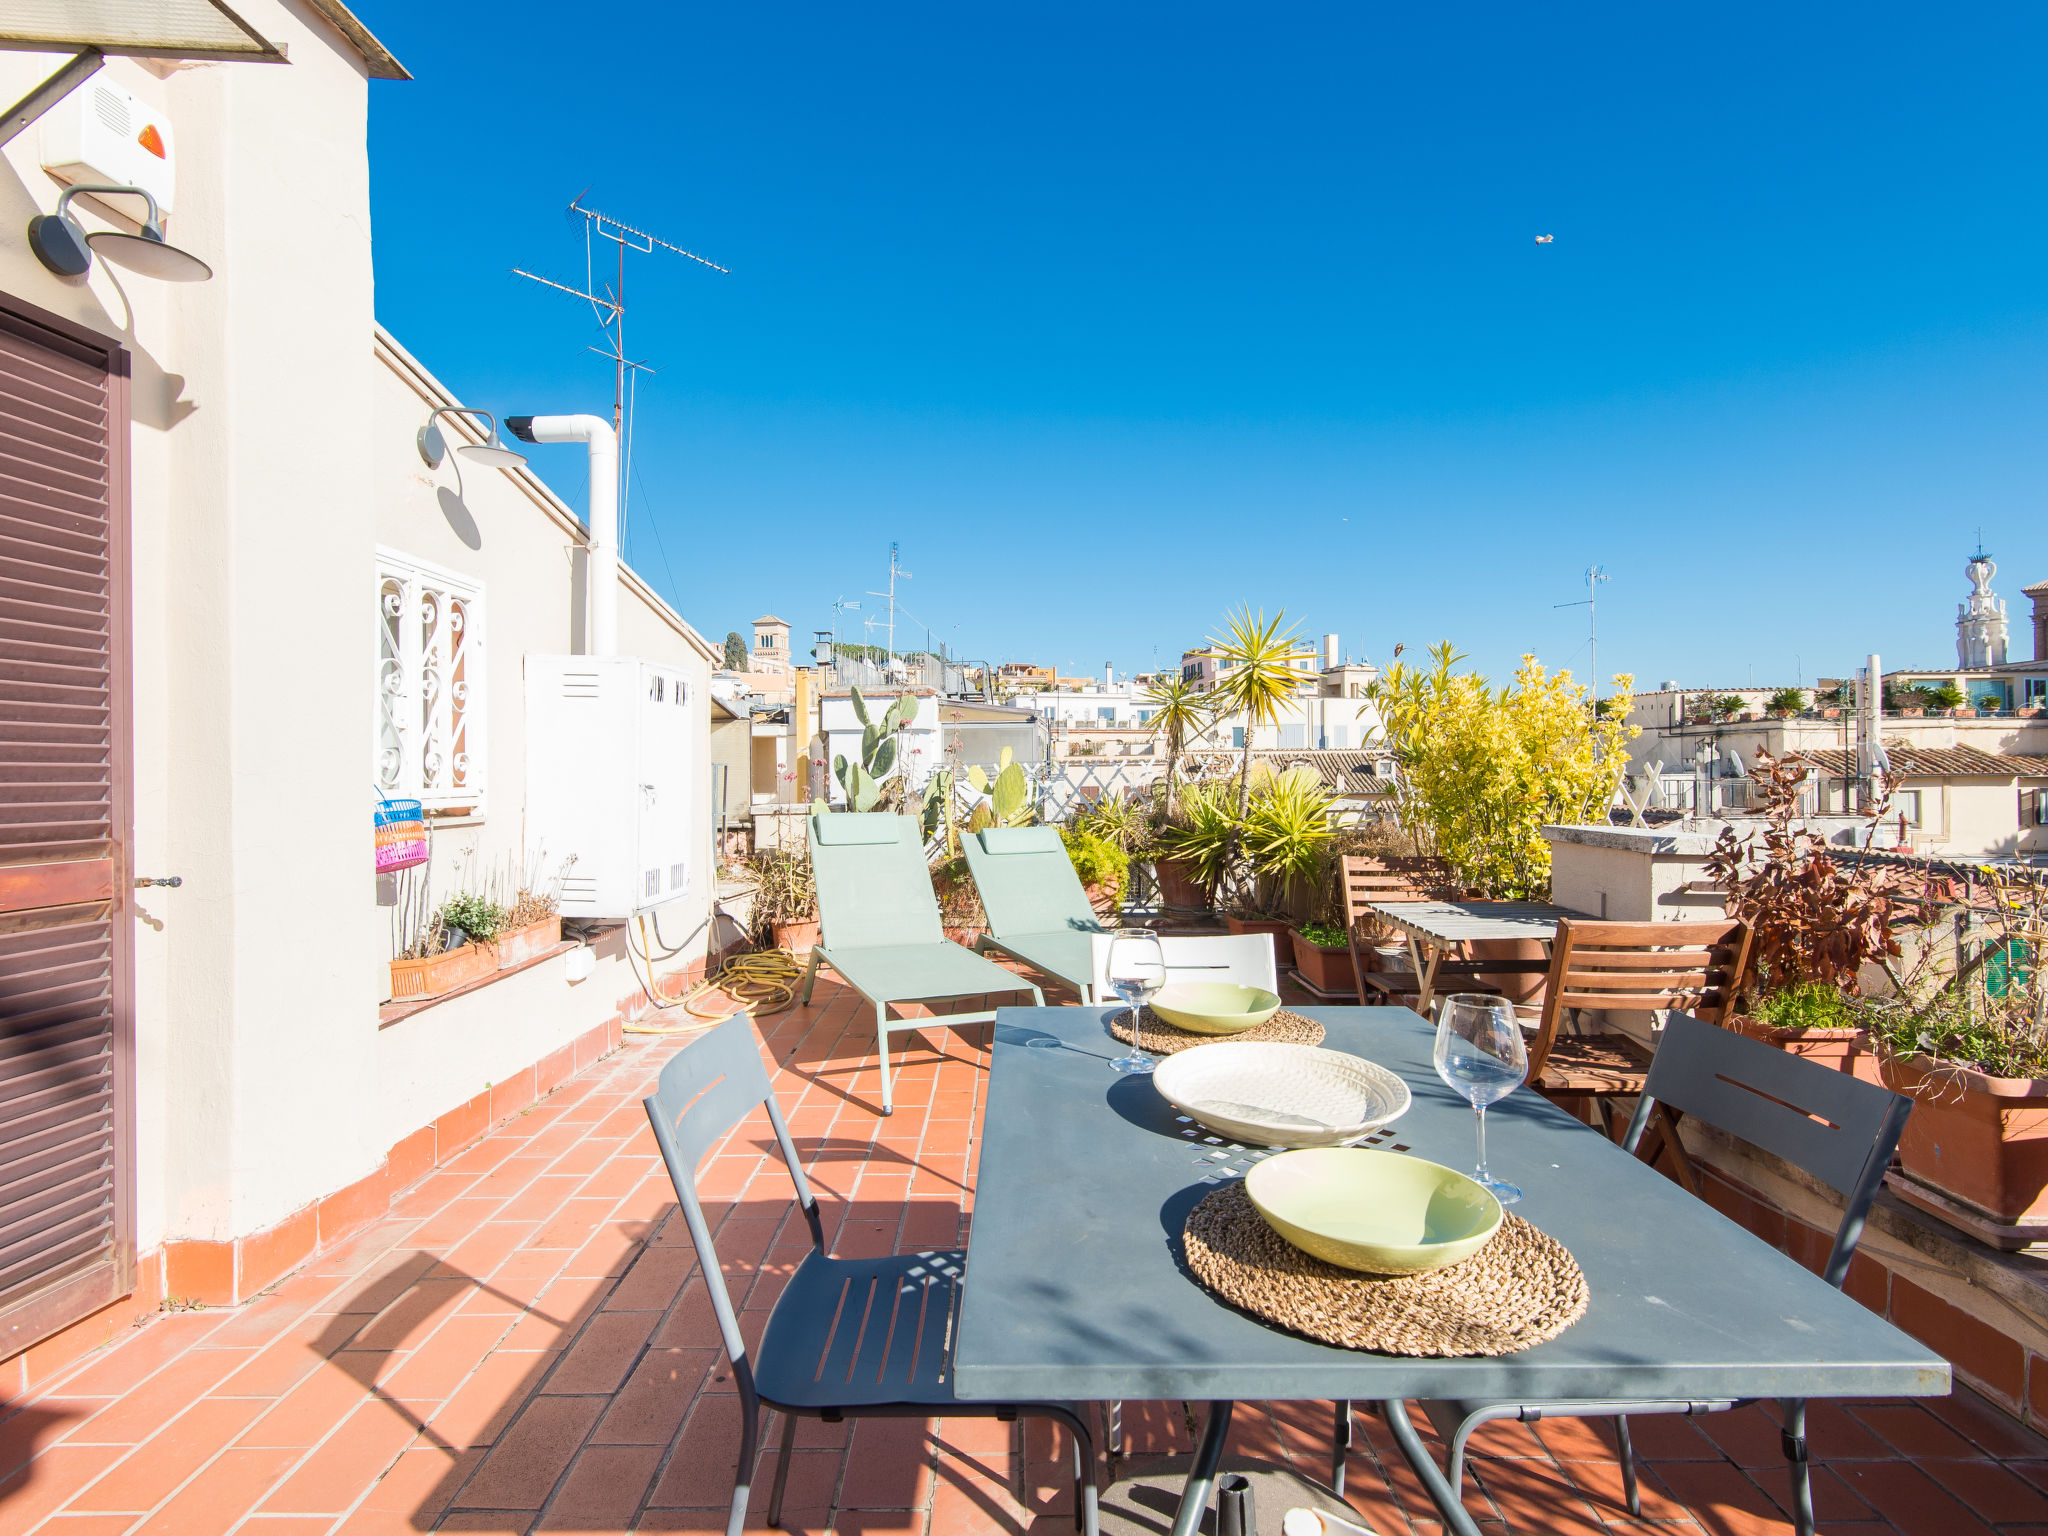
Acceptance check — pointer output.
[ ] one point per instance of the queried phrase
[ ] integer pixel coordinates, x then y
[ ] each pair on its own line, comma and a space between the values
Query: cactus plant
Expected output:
864, 781
1009, 795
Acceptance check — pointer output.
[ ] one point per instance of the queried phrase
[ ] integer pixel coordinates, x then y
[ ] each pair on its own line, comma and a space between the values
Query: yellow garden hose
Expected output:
761, 983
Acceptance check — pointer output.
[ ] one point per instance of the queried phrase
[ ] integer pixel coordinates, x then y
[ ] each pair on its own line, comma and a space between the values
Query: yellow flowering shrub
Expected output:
1483, 769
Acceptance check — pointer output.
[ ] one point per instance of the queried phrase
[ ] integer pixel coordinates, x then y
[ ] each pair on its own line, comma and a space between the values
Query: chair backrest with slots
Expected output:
1639, 966
1836, 1127
706, 1089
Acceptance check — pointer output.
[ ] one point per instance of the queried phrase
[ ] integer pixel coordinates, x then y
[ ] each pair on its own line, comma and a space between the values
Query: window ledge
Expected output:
390, 1013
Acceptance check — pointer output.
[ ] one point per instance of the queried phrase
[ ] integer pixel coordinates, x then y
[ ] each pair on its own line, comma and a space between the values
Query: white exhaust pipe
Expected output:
601, 567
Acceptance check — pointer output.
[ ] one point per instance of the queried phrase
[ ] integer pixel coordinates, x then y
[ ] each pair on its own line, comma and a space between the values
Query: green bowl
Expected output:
1374, 1211
1215, 1007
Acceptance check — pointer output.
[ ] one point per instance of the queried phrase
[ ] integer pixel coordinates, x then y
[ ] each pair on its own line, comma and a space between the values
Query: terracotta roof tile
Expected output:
1937, 762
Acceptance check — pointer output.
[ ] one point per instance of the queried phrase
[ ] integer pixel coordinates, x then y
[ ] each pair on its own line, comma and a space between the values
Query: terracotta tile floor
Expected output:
520, 1346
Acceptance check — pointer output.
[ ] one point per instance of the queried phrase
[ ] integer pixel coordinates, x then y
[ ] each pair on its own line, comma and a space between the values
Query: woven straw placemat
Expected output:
1164, 1039
1519, 1290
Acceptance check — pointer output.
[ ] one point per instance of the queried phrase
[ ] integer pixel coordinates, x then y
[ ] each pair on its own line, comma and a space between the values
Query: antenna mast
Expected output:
895, 571
609, 306
1591, 603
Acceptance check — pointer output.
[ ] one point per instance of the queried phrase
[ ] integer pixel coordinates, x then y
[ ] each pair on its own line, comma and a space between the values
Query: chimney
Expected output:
1330, 653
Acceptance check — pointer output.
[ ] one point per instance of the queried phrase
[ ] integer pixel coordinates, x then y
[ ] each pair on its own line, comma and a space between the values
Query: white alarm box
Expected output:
103, 135
610, 780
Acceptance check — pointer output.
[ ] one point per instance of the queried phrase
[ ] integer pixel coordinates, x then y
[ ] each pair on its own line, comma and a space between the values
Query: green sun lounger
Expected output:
881, 929
1036, 908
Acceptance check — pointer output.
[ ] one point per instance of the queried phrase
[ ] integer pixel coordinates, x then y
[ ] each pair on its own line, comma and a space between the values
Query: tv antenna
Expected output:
609, 306
1591, 603
840, 606
896, 573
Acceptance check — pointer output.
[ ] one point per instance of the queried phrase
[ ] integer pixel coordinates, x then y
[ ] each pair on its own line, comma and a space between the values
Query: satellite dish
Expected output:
1735, 762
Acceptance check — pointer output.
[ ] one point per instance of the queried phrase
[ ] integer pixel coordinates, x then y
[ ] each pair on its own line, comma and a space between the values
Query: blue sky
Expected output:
1118, 317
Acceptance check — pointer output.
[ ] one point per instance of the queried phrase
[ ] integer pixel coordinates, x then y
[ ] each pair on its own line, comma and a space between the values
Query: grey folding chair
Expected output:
1837, 1128
847, 1337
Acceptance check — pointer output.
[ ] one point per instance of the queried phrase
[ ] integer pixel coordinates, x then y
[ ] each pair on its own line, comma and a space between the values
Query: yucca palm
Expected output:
1258, 677
1179, 711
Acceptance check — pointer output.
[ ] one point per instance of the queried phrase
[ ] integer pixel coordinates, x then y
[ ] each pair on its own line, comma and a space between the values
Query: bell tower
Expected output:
1980, 620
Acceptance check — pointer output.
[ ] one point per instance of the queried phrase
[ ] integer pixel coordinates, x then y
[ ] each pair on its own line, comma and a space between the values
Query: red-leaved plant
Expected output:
1812, 920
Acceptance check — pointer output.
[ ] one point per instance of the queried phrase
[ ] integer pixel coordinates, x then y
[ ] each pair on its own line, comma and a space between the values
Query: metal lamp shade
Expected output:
149, 255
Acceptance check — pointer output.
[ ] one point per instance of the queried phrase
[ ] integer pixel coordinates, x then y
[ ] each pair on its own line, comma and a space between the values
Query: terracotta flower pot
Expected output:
1279, 928
1846, 1050
1178, 888
1105, 900
1980, 1140
520, 945
436, 974
798, 938
1326, 967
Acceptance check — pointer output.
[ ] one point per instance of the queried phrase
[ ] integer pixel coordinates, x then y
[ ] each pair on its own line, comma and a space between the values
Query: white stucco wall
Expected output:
271, 451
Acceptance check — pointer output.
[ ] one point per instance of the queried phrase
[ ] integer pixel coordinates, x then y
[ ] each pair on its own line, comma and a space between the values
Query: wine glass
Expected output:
1479, 1052
1136, 969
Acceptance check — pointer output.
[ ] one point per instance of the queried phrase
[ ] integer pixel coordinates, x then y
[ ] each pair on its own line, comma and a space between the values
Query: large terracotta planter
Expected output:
1325, 967
437, 974
1980, 1140
1278, 927
523, 944
797, 938
1846, 1050
1178, 888
1524, 988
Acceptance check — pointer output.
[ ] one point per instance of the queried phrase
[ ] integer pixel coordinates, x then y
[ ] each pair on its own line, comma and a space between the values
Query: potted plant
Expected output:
1961, 1036
1787, 702
532, 924
1322, 956
1282, 838
1195, 847
449, 950
1815, 1020
785, 912
1814, 925
960, 909
1103, 868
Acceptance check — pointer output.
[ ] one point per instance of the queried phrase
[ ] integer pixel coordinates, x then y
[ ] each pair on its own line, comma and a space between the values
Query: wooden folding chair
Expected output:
1694, 967
1368, 880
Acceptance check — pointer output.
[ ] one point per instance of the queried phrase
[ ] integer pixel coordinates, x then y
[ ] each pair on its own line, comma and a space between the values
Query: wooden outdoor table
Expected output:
1076, 1287
1434, 928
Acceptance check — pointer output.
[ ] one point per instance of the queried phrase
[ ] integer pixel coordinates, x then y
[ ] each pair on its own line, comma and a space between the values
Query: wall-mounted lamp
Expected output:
61, 243
434, 447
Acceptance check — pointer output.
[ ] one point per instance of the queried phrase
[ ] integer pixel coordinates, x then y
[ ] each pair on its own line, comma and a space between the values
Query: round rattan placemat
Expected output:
1519, 1290
1164, 1039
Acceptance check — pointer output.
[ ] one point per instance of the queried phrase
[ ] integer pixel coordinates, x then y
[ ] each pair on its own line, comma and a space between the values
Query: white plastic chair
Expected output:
1245, 958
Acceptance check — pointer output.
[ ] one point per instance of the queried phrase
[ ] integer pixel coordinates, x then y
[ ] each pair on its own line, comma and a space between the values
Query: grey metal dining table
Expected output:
1077, 1288
1434, 928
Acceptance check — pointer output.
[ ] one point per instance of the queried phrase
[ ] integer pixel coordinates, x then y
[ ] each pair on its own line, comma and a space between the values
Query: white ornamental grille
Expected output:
429, 742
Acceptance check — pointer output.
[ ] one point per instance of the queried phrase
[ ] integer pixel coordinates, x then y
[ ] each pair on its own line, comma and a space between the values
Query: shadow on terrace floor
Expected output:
522, 1345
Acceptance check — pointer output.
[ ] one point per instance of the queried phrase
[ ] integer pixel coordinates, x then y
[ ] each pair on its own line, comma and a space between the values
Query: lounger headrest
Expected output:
845, 827
1020, 840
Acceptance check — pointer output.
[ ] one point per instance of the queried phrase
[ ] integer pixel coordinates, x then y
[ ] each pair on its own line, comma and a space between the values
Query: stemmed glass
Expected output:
1137, 970
1479, 1052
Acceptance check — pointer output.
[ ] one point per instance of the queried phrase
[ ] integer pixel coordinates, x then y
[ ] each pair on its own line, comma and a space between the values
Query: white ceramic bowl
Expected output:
1215, 1007
1281, 1095
1378, 1212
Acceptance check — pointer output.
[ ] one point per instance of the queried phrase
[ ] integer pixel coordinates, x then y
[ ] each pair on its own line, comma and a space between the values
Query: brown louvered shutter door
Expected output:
66, 1242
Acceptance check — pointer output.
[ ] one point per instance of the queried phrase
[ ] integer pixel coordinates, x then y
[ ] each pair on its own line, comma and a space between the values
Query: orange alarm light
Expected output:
152, 141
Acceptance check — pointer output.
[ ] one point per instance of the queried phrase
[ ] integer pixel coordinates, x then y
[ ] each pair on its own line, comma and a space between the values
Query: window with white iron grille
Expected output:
429, 734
